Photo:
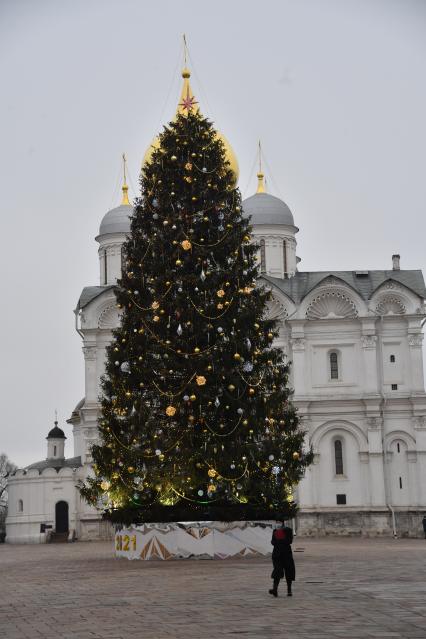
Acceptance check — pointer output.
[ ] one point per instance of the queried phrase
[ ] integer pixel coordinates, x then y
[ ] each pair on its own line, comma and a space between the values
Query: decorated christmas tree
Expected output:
196, 420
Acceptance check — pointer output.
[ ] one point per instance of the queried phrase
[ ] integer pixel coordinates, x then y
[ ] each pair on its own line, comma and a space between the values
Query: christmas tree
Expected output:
196, 420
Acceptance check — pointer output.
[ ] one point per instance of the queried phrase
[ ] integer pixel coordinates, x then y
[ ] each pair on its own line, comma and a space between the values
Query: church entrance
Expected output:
61, 517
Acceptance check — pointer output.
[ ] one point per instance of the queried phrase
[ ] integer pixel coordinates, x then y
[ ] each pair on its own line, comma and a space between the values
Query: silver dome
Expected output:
267, 209
116, 220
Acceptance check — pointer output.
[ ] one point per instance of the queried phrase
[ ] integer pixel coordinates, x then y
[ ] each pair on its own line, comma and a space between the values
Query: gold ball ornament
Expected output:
156, 318
131, 469
178, 263
201, 381
170, 411
192, 398
296, 455
231, 387
270, 336
251, 391
196, 349
186, 245
237, 356
173, 158
211, 472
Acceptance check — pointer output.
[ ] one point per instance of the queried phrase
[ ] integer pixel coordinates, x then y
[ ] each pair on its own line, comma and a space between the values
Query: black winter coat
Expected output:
282, 556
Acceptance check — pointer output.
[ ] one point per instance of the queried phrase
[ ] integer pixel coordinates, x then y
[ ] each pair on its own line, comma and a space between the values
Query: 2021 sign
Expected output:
125, 543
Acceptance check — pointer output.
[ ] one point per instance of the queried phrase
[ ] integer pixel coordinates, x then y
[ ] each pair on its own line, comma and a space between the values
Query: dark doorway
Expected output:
61, 517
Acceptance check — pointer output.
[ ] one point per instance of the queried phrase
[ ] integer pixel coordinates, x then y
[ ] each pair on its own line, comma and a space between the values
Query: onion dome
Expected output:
117, 219
56, 433
188, 104
265, 208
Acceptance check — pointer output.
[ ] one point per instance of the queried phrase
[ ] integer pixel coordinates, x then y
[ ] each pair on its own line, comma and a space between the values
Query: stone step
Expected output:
58, 538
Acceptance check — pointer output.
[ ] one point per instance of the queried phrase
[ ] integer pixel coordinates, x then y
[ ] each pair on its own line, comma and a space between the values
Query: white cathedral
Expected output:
355, 342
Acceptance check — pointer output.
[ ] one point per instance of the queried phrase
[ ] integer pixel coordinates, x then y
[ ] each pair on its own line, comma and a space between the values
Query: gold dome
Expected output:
188, 104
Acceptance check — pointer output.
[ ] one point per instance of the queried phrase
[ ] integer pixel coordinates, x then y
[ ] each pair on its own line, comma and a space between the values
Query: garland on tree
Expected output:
196, 421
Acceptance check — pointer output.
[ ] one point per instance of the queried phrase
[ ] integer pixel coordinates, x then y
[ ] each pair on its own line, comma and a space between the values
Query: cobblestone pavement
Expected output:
345, 588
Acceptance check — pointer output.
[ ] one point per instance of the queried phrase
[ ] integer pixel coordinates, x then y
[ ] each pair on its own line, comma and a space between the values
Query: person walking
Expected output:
282, 559
424, 524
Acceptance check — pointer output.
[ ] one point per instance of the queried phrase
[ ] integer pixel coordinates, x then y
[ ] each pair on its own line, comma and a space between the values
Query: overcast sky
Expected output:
335, 90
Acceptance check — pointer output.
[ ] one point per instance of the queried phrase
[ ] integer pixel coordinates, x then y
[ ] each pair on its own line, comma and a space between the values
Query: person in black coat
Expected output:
282, 559
424, 525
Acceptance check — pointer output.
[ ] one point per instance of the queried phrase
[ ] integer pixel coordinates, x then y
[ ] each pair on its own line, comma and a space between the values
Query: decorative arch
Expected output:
331, 305
276, 309
280, 306
344, 426
408, 439
393, 298
109, 318
390, 305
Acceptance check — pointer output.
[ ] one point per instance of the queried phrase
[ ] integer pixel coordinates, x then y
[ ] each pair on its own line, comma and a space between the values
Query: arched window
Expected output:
105, 267
54, 451
338, 456
20, 506
334, 366
285, 258
262, 256
392, 359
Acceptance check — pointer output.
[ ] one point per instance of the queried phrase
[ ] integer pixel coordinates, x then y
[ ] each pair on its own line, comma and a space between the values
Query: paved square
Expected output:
345, 588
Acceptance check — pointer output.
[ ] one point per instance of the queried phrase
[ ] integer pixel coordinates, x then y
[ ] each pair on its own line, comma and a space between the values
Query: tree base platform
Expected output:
195, 540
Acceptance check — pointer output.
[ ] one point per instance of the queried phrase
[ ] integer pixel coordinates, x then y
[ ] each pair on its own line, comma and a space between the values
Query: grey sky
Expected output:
335, 90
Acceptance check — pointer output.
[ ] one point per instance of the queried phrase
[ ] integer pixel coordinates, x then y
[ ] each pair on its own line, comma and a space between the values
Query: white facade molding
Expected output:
416, 340
369, 341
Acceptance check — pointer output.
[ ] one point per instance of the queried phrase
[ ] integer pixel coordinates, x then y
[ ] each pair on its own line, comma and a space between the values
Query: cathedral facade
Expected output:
355, 342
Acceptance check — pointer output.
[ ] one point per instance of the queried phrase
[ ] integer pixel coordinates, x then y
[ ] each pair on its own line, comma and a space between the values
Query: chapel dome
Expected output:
267, 209
56, 433
117, 220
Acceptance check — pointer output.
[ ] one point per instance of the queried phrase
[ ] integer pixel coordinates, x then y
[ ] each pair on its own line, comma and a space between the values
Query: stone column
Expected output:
299, 368
90, 355
420, 480
305, 486
369, 356
375, 449
415, 341
412, 477
315, 481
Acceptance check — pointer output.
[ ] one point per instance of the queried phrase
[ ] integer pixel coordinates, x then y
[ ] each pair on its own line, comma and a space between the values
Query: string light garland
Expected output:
189, 392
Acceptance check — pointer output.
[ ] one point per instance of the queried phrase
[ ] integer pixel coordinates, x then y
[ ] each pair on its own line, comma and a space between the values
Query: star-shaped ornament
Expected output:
189, 102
